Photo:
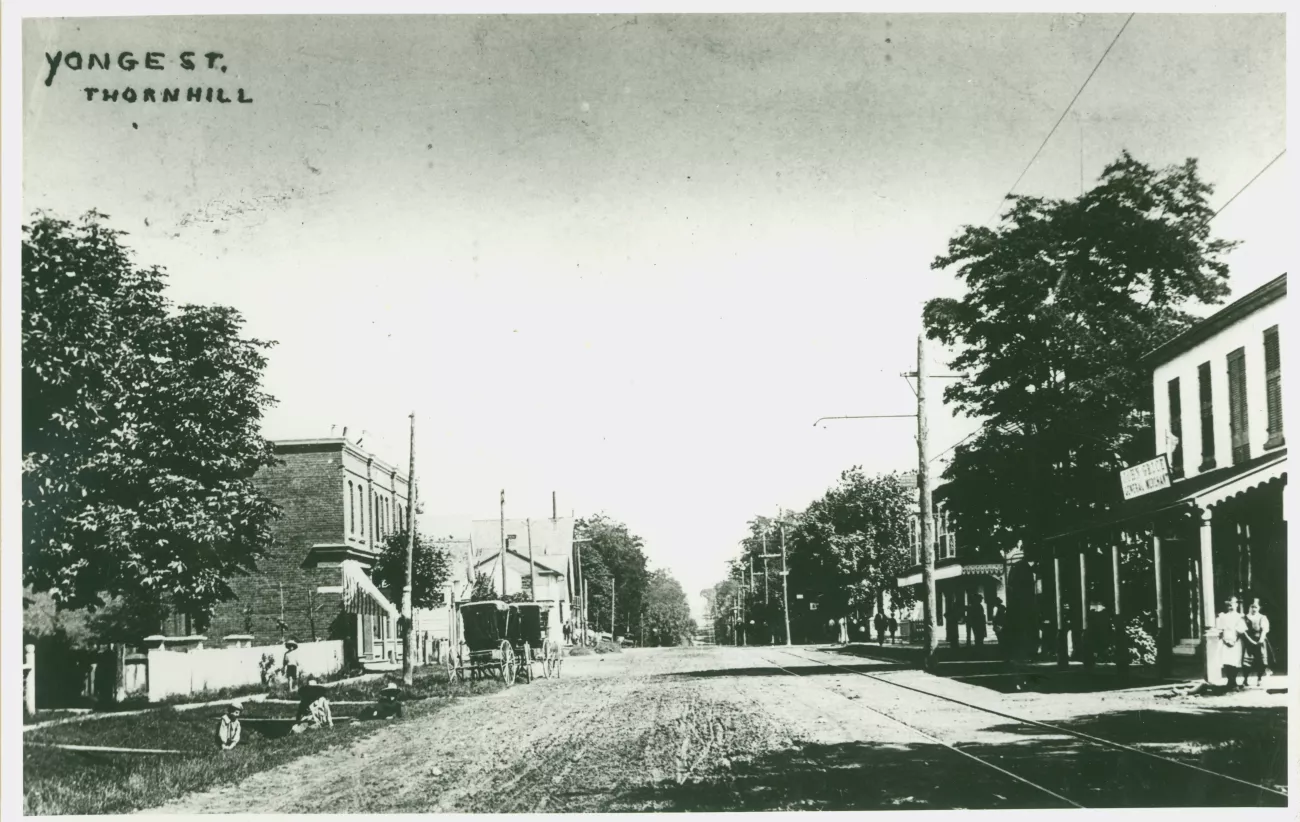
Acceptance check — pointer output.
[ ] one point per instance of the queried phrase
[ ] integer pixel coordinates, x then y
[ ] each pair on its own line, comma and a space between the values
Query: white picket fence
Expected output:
173, 673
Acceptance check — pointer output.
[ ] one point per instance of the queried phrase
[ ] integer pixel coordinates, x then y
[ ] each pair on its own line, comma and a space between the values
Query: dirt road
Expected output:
708, 729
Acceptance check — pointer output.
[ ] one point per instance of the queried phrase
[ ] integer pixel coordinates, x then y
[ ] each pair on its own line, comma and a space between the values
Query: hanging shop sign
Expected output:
1145, 478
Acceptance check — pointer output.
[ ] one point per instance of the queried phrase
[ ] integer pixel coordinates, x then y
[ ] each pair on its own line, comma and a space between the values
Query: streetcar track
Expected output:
934, 739
1054, 728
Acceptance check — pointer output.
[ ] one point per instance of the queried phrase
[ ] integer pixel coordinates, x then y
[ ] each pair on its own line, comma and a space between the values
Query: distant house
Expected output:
551, 542
962, 568
338, 503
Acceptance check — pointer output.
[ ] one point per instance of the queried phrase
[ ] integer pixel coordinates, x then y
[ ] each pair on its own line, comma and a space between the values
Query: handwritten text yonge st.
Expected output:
75, 61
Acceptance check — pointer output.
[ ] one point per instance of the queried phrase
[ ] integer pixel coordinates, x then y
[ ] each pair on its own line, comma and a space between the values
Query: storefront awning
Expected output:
1201, 491
360, 596
958, 569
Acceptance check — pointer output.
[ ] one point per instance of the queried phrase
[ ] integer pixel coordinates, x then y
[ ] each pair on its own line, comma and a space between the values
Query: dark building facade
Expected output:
338, 502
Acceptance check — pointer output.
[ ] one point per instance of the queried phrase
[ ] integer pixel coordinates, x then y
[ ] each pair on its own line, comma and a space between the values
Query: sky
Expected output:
627, 259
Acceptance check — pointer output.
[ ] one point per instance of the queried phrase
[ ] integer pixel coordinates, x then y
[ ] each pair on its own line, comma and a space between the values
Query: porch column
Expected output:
1163, 649
1084, 635
1121, 648
1209, 643
1062, 643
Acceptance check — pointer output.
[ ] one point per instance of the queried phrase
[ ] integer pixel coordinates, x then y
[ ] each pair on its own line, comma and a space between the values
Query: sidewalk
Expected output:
984, 667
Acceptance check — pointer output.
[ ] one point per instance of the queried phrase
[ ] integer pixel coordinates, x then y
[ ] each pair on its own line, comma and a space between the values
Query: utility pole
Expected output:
503, 543
407, 608
927, 515
581, 621
613, 611
532, 567
753, 587
766, 591
785, 586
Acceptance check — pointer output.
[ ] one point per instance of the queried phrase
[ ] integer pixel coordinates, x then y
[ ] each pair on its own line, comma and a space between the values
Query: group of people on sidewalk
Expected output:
842, 630
1243, 642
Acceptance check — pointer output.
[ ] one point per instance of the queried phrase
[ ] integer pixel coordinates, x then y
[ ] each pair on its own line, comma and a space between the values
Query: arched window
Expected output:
352, 509
374, 526
361, 512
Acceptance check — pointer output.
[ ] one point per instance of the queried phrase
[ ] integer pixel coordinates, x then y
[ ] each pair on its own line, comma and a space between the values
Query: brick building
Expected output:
338, 503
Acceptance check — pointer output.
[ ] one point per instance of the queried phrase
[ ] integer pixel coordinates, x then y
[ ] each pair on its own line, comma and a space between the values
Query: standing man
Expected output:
976, 623
880, 625
290, 666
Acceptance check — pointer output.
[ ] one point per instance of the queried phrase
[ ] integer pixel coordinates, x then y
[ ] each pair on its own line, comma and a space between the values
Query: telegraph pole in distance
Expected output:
503, 543
927, 515
407, 608
785, 585
532, 567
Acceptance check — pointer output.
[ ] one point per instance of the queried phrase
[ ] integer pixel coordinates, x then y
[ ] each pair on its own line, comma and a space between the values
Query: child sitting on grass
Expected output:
228, 728
313, 708
388, 707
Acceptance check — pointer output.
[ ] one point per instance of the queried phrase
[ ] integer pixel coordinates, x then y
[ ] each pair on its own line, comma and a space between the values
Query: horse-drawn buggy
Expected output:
504, 641
530, 635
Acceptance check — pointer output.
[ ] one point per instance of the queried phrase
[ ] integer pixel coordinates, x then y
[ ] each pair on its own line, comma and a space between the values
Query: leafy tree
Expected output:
141, 430
484, 588
613, 556
430, 569
725, 596
850, 546
1062, 299
667, 618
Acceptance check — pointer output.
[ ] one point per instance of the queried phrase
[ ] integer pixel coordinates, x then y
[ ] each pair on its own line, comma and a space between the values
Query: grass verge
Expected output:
58, 781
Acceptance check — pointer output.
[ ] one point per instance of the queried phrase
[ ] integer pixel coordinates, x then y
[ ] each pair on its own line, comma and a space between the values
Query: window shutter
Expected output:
1273, 387
1237, 410
1207, 416
1176, 426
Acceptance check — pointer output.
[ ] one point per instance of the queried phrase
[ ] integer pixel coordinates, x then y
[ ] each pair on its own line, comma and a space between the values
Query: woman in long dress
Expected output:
1231, 627
1254, 645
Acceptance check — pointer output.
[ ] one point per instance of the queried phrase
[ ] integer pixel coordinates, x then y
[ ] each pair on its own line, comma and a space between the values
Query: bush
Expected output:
607, 647
579, 651
1139, 644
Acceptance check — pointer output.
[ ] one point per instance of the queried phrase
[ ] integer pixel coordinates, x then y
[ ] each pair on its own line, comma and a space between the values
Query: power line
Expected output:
1060, 119
1248, 184
957, 443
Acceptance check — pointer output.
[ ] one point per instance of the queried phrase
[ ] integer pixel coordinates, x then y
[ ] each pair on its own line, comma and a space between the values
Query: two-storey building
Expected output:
338, 503
962, 571
1208, 509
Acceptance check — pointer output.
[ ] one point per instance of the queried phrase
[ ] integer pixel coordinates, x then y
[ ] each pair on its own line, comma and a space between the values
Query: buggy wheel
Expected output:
508, 664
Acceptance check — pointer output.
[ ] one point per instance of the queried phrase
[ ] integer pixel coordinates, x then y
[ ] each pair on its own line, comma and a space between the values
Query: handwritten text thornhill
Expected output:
163, 92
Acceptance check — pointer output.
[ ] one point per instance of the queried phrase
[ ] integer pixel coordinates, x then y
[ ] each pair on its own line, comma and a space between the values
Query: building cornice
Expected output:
338, 444
1266, 294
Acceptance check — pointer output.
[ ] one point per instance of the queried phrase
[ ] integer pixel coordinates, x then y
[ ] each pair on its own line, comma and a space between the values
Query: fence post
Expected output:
119, 672
29, 679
